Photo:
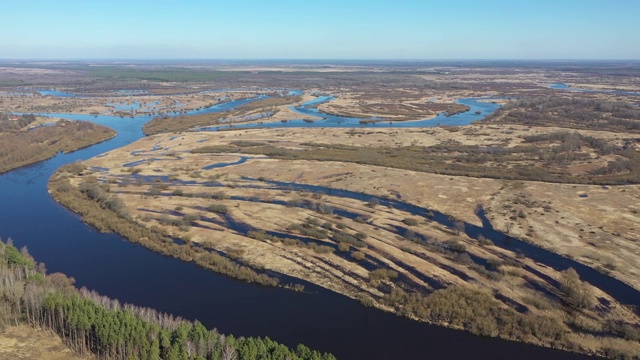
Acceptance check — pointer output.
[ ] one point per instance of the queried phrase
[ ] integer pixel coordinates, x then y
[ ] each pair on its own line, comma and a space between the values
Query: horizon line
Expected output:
321, 59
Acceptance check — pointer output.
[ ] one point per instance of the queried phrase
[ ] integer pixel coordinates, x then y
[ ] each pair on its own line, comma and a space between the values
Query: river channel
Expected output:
319, 318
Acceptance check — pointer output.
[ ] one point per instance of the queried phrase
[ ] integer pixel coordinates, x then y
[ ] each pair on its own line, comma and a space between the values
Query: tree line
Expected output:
10, 122
93, 324
27, 147
537, 159
570, 113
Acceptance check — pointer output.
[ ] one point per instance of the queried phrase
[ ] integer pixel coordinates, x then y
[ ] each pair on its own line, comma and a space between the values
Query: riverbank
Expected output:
120, 105
97, 326
36, 144
374, 253
318, 317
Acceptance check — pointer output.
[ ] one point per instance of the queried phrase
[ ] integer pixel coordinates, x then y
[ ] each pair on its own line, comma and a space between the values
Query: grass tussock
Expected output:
100, 210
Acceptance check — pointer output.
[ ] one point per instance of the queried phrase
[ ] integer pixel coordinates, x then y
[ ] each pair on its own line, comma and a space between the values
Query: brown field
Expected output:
589, 229
378, 248
26, 343
557, 173
149, 104
403, 105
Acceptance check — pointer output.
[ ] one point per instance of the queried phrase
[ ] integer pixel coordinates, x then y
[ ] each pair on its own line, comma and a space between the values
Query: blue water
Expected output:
112, 266
242, 160
225, 106
135, 163
333, 121
562, 86
56, 93
317, 101
131, 92
125, 106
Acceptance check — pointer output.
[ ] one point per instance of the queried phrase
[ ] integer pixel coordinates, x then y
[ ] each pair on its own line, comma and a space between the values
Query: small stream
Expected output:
563, 86
616, 288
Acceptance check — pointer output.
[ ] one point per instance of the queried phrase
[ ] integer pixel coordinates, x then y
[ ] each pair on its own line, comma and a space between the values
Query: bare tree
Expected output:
576, 293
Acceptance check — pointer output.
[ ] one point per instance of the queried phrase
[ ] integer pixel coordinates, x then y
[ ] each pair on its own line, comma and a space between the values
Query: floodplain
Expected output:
519, 220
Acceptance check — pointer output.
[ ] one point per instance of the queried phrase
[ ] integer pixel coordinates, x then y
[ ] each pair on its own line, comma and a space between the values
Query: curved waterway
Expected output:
563, 86
478, 109
614, 287
114, 267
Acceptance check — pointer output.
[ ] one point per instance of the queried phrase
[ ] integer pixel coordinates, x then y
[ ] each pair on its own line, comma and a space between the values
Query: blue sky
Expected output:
328, 29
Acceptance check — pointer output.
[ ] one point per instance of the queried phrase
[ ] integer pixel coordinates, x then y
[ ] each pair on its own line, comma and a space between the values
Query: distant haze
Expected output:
330, 29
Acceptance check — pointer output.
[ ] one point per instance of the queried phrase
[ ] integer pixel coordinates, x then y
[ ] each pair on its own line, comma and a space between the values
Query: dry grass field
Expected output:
581, 221
387, 216
124, 106
26, 343
231, 199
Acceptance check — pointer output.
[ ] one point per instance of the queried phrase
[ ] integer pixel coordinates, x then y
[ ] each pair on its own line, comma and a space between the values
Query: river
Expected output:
478, 109
563, 86
114, 267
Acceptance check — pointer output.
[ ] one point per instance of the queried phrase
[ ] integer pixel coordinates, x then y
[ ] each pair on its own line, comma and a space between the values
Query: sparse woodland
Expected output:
19, 148
540, 158
576, 113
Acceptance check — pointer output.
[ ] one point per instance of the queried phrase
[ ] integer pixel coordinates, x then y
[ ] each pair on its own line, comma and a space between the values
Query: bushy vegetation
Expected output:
268, 103
386, 106
218, 208
247, 143
97, 326
456, 109
104, 213
316, 247
12, 123
309, 230
570, 113
27, 147
314, 229
343, 237
162, 74
478, 312
576, 293
410, 221
164, 124
383, 274
544, 157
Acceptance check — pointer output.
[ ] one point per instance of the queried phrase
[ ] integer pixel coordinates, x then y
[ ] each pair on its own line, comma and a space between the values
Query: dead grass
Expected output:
26, 343
421, 267
598, 230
